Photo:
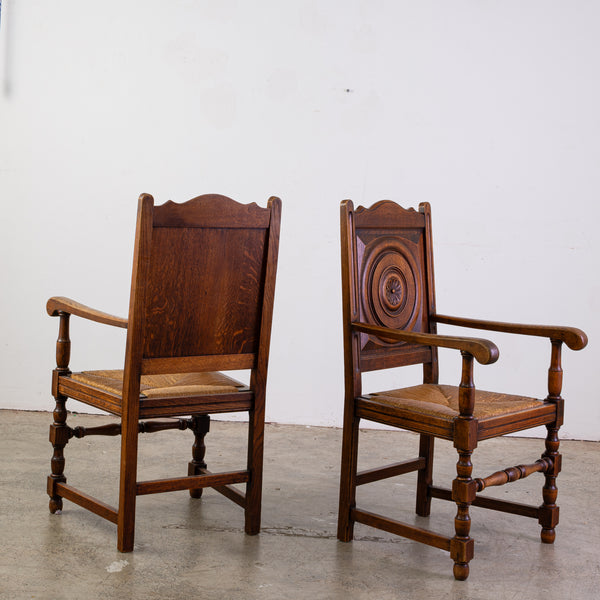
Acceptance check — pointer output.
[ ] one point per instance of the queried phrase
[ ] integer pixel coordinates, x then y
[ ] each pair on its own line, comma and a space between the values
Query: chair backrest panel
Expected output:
391, 280
204, 291
200, 273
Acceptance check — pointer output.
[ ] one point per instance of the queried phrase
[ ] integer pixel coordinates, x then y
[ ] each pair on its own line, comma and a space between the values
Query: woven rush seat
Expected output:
158, 386
442, 401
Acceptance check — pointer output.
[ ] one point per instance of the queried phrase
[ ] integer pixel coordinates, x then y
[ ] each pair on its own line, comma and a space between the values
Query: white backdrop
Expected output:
488, 110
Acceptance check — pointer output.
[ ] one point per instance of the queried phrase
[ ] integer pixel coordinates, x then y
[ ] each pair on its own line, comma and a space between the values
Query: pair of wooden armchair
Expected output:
201, 302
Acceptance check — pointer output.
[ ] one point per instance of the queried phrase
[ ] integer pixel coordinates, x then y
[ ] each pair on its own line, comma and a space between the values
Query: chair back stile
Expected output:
132, 369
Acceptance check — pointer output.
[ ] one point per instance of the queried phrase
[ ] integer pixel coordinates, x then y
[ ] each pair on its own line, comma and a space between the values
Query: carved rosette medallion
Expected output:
394, 286
390, 283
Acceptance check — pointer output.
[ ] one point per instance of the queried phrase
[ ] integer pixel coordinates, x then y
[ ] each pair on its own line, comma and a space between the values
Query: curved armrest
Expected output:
59, 304
484, 351
573, 337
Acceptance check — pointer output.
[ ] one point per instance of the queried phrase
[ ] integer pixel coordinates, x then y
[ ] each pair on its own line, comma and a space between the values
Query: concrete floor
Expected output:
197, 549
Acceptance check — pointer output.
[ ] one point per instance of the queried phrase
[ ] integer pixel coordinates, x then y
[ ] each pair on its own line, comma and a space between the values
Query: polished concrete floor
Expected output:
197, 549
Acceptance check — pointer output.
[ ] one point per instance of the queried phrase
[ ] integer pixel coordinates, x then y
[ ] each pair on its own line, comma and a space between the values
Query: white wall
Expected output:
488, 110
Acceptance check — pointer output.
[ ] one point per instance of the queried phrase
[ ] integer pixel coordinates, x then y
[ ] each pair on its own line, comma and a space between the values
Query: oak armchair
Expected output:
201, 301
389, 320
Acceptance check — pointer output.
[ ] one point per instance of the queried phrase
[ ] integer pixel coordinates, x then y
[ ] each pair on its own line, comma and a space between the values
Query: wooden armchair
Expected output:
201, 300
390, 321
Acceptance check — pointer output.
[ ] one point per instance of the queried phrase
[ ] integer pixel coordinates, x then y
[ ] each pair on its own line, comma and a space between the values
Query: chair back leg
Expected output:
348, 478
200, 427
256, 434
425, 476
127, 491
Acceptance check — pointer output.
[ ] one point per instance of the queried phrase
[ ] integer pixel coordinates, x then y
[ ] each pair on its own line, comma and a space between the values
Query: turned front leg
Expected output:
59, 431
549, 511
59, 436
200, 426
464, 488
463, 493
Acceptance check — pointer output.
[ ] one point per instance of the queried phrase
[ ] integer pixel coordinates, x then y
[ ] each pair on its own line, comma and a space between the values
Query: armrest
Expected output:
59, 304
573, 337
484, 351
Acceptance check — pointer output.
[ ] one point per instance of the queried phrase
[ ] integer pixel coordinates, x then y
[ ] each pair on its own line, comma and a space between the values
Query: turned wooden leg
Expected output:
59, 436
549, 511
59, 432
463, 493
424, 478
348, 479
200, 427
464, 488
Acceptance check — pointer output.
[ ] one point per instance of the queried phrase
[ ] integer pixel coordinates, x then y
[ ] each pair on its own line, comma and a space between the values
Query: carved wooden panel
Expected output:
391, 281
